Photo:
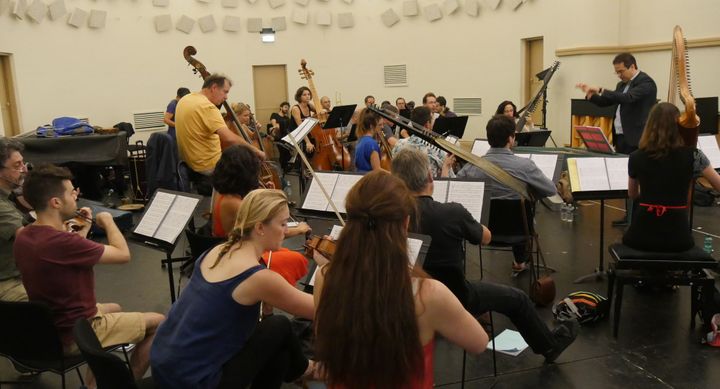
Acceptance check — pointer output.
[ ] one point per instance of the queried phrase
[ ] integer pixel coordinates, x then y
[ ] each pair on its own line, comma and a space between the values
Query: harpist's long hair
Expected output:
661, 134
367, 331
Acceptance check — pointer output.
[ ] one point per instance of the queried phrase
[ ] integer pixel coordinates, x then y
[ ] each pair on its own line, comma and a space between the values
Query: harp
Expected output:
680, 86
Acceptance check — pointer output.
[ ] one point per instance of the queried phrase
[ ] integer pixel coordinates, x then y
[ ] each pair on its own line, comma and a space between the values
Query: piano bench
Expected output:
659, 268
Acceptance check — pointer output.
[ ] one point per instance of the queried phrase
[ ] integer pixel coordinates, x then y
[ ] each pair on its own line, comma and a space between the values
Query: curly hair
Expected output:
237, 171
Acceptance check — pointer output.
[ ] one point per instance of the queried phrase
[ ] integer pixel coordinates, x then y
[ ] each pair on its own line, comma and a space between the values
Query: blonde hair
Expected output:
259, 206
238, 108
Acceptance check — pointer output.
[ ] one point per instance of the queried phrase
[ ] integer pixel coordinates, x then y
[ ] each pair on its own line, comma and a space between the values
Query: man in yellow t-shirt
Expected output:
200, 128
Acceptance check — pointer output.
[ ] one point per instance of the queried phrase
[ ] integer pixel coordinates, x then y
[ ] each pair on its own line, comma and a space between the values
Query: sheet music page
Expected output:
414, 246
440, 188
480, 147
177, 217
301, 131
344, 183
155, 214
546, 163
315, 199
709, 146
617, 169
592, 174
469, 194
335, 232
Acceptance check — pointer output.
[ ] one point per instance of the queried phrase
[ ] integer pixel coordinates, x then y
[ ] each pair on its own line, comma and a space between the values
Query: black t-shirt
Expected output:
449, 224
660, 223
283, 121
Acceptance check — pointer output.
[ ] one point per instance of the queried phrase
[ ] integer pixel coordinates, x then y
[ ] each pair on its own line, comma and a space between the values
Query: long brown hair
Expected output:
367, 331
259, 206
661, 134
366, 123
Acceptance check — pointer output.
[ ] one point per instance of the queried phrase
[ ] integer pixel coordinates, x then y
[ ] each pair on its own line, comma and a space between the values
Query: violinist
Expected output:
236, 174
388, 127
201, 131
279, 124
367, 151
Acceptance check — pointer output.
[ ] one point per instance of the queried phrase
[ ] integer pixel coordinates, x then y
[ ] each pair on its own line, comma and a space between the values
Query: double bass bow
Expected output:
267, 173
329, 151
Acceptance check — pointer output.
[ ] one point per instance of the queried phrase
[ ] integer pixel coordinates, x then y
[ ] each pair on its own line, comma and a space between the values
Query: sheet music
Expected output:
709, 146
178, 215
343, 185
155, 214
592, 174
335, 232
469, 194
301, 131
414, 246
617, 171
480, 147
546, 163
315, 199
440, 191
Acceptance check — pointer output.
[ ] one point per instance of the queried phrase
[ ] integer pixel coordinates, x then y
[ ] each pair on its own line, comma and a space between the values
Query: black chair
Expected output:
109, 370
29, 338
660, 268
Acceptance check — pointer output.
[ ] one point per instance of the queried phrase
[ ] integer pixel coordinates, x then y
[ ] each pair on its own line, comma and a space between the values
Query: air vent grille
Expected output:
148, 120
467, 105
395, 75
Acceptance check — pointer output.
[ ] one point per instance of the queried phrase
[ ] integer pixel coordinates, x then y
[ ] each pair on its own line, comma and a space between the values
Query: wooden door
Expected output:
533, 65
270, 89
8, 103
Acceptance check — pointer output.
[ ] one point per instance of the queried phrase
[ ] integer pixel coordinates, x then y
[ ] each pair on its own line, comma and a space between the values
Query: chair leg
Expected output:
492, 333
481, 261
618, 306
694, 303
82, 382
63, 379
611, 285
462, 377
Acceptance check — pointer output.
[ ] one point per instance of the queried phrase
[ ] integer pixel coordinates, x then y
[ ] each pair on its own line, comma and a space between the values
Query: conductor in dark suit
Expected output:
634, 95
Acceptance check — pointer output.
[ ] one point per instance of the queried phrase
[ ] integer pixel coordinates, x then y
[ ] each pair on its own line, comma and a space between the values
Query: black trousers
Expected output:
271, 355
516, 305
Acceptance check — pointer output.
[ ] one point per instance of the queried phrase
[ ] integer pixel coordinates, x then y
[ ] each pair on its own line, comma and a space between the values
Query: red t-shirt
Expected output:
57, 269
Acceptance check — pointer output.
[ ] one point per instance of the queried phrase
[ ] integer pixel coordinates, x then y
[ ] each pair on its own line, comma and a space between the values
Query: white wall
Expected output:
108, 74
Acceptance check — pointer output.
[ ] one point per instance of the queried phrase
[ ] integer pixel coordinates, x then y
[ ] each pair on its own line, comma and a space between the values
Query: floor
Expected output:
656, 348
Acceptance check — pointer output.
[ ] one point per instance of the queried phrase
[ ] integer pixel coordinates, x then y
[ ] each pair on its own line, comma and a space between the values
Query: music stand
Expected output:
535, 138
595, 139
451, 126
340, 116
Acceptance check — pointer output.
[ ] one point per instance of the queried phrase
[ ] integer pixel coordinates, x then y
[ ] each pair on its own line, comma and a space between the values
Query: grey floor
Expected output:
656, 347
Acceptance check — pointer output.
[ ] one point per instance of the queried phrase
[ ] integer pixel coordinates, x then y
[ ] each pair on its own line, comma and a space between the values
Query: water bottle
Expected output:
708, 244
108, 199
288, 189
564, 212
570, 217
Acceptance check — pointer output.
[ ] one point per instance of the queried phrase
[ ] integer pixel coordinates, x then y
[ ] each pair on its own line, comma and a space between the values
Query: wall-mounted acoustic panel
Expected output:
203, 1
163, 23
300, 16
492, 4
57, 9
276, 3
231, 23
78, 18
450, 6
432, 12
348, 1
472, 7
324, 18
230, 3
97, 18
37, 11
4, 6
20, 9
390, 17
161, 3
279, 23
254, 24
346, 20
185, 24
411, 8
302, 2
207, 23
252, 1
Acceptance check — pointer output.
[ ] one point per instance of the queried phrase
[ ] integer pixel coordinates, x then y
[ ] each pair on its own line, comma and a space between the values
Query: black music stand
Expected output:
451, 126
340, 116
535, 138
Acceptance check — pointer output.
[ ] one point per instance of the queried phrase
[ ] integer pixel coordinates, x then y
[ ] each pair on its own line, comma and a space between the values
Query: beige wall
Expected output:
108, 74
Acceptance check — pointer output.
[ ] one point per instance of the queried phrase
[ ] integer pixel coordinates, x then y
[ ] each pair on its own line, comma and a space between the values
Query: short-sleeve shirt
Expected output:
57, 269
10, 220
363, 150
171, 110
197, 121
283, 122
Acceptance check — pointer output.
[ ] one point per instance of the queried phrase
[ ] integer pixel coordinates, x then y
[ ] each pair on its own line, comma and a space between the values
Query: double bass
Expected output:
329, 152
267, 172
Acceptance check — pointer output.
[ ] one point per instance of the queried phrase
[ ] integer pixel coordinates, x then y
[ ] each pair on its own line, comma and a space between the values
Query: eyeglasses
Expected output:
18, 167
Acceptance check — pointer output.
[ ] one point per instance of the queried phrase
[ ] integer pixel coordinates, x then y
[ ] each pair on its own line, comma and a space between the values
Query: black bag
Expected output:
702, 196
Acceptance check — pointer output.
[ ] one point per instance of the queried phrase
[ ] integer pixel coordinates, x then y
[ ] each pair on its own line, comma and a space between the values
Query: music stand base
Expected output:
597, 275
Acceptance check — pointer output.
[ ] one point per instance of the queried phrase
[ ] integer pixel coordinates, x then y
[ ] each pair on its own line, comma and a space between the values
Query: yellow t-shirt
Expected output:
196, 123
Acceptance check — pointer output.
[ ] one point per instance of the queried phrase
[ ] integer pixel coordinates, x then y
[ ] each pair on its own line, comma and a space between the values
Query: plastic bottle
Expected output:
564, 212
570, 213
708, 244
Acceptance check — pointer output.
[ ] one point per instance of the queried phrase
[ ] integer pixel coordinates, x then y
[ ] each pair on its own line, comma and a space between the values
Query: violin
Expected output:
324, 246
79, 222
267, 173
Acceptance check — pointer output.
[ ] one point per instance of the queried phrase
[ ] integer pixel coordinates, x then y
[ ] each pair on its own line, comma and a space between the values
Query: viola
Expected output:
324, 246
267, 173
329, 153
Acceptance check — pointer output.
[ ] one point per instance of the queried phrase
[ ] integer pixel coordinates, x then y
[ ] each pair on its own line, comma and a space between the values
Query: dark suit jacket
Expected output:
634, 105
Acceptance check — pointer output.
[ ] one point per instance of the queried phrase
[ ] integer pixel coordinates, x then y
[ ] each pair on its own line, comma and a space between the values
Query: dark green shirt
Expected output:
10, 220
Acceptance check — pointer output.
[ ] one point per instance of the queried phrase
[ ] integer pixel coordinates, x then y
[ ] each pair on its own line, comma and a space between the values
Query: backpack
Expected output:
585, 307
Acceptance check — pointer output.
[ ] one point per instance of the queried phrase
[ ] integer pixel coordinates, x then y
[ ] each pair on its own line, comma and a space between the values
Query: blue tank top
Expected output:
203, 330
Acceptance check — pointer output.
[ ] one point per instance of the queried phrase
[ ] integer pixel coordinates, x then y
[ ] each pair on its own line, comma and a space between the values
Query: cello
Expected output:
267, 172
329, 153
